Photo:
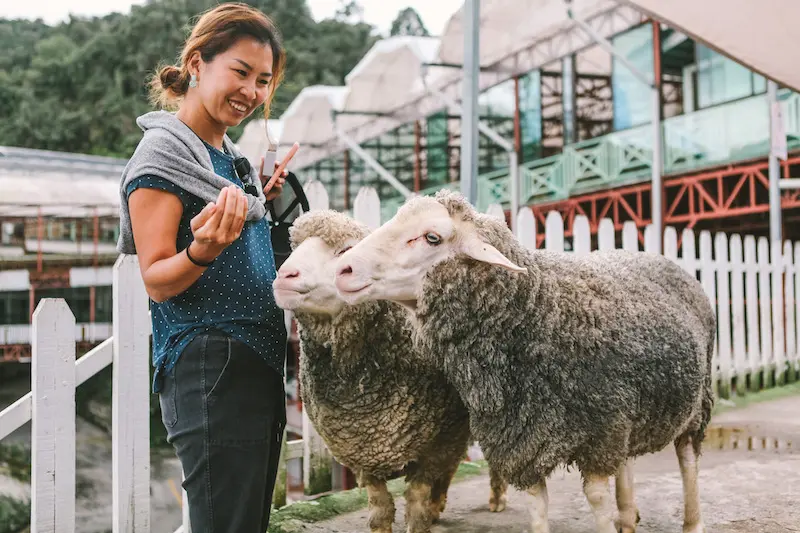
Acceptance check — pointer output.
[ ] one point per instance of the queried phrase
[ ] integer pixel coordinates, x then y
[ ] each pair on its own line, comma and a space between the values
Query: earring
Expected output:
193, 81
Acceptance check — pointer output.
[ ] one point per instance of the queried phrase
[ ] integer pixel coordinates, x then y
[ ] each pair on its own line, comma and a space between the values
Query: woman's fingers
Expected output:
203, 216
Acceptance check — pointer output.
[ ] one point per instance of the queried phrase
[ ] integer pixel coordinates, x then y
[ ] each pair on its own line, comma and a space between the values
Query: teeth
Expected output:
237, 107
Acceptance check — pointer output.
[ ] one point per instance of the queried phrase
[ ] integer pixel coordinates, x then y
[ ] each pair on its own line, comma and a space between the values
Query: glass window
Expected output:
437, 138
496, 110
721, 80
14, 307
631, 97
530, 115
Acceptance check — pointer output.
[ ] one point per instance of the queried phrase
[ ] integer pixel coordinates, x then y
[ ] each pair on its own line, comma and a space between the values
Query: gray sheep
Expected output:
561, 360
377, 408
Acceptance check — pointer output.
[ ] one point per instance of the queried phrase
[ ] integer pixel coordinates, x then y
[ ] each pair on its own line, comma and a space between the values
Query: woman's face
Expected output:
233, 84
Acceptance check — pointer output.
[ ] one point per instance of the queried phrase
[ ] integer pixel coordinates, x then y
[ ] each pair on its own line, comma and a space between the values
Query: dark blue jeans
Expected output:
224, 410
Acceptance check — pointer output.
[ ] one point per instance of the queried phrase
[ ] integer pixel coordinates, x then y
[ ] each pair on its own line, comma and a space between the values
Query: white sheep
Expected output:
376, 407
560, 359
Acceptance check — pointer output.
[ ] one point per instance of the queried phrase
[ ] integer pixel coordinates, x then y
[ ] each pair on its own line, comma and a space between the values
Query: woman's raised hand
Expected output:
220, 223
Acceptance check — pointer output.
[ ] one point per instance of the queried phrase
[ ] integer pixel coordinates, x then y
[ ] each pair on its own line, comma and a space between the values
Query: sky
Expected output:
379, 13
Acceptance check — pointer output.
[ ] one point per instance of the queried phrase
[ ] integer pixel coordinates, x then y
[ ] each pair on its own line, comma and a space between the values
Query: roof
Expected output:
507, 26
54, 183
770, 45
28, 194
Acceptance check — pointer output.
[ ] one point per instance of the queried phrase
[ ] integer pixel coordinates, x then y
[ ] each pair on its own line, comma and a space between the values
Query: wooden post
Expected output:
317, 460
130, 405
346, 165
53, 415
417, 156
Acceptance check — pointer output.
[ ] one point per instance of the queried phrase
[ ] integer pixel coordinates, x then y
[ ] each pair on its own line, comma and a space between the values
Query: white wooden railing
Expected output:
754, 287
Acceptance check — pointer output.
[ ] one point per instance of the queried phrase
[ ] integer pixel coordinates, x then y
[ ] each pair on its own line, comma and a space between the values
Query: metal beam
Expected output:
533, 55
656, 201
508, 146
469, 92
369, 160
775, 223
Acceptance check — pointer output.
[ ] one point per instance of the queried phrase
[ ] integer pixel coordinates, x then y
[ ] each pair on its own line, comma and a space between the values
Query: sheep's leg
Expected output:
499, 487
439, 493
418, 507
687, 459
381, 505
628, 513
539, 521
599, 496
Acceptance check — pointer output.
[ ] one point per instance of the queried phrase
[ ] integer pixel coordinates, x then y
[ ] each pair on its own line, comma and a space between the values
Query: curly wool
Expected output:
362, 384
583, 360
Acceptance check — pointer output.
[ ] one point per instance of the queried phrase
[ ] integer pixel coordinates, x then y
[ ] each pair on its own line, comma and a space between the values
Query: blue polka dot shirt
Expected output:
233, 295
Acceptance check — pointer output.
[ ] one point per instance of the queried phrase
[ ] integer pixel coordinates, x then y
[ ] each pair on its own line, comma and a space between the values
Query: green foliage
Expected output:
408, 22
79, 86
14, 514
15, 461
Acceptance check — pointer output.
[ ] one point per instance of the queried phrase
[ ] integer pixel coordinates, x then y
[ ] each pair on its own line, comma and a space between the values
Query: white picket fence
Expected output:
753, 286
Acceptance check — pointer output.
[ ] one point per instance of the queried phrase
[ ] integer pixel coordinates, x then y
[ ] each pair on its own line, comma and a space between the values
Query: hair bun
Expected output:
169, 76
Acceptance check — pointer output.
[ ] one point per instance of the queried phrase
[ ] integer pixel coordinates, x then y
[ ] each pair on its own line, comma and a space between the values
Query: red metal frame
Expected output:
726, 194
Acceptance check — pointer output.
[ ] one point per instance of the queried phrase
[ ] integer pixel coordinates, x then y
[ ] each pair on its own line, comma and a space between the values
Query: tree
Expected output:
408, 22
79, 85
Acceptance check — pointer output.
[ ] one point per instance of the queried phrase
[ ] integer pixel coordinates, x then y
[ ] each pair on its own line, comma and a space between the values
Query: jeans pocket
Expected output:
167, 399
239, 402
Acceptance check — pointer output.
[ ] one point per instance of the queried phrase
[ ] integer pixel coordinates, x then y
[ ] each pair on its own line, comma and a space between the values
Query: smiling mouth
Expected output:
241, 108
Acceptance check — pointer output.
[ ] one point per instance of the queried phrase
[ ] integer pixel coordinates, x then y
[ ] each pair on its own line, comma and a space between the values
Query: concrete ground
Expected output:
749, 483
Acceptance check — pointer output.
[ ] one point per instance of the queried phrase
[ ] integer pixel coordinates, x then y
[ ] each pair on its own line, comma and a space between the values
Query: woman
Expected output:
207, 262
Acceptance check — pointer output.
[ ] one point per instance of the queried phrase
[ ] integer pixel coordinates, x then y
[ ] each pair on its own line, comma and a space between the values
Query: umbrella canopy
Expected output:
761, 35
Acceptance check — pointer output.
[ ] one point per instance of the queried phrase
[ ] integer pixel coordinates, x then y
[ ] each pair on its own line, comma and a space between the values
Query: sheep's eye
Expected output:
432, 238
343, 250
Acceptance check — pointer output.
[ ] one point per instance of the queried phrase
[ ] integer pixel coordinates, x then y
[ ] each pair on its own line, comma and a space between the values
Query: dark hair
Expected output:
215, 32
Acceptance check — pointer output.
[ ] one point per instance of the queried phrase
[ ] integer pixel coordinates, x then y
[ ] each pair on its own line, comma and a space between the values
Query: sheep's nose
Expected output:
343, 271
288, 273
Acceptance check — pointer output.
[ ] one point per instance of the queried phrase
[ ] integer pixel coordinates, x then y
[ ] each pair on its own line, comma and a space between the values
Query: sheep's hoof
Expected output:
497, 507
697, 528
435, 511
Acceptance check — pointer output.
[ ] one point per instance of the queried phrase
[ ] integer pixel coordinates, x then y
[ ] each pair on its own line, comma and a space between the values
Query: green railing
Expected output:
716, 136
711, 137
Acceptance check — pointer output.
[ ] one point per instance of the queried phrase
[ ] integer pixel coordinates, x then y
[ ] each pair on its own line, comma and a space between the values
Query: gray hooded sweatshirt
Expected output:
169, 149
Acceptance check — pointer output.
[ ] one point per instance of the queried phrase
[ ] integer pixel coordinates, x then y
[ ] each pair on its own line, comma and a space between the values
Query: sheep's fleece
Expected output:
581, 360
377, 408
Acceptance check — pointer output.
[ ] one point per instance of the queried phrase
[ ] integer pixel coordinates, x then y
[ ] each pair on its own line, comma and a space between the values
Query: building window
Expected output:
632, 98
530, 115
721, 80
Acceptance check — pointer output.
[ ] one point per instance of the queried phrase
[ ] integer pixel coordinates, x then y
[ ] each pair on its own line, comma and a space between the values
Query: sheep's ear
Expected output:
482, 251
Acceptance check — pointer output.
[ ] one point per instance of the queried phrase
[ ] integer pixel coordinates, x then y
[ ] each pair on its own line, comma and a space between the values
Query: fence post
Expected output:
53, 430
317, 460
554, 232
367, 208
130, 405
526, 228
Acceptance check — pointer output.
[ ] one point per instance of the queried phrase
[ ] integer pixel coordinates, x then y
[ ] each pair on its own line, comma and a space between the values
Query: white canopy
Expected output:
507, 26
386, 75
760, 34
308, 119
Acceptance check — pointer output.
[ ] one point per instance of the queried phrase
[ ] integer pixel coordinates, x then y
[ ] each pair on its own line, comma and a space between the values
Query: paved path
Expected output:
743, 490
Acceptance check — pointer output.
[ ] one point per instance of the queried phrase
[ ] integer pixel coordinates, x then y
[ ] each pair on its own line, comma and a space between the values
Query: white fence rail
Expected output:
83, 332
754, 287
